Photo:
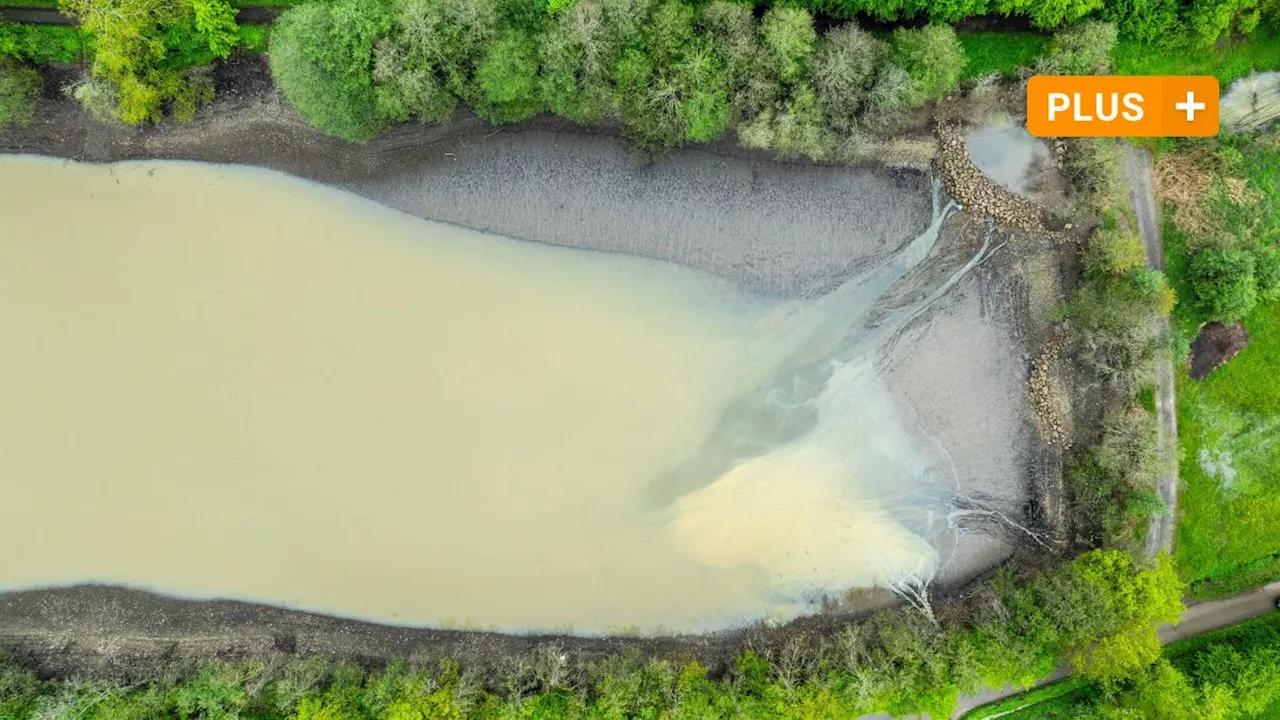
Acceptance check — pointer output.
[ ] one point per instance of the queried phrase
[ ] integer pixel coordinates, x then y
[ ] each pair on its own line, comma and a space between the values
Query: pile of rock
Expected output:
1060, 151
972, 188
1039, 392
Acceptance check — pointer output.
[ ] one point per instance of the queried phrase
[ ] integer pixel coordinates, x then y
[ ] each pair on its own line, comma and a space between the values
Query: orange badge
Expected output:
1122, 106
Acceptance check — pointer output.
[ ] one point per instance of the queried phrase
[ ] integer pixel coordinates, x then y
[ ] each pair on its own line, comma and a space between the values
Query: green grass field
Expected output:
1229, 432
1226, 62
1001, 52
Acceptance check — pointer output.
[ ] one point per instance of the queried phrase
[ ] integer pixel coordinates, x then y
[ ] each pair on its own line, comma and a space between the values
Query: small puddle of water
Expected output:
1252, 102
1008, 154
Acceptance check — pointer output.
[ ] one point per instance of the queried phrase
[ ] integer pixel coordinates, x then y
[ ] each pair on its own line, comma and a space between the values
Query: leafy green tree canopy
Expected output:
932, 57
322, 56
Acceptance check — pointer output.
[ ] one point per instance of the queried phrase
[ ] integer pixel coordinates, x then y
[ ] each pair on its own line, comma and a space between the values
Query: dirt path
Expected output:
50, 16
34, 16
1161, 532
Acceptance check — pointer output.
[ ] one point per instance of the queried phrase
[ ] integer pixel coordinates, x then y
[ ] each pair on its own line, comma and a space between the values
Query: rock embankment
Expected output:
965, 182
1044, 400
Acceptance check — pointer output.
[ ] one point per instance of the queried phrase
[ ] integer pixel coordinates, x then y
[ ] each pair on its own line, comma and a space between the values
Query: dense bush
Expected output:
147, 53
19, 88
1109, 323
674, 90
1224, 283
1146, 21
932, 57
1049, 13
1083, 49
1113, 481
1112, 252
577, 53
508, 79
40, 44
844, 70
898, 661
1266, 272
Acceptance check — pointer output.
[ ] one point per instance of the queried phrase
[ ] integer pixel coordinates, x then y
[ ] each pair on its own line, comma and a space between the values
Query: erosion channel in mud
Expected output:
222, 382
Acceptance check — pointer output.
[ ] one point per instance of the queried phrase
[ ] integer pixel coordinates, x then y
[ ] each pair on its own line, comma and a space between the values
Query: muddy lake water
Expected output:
225, 382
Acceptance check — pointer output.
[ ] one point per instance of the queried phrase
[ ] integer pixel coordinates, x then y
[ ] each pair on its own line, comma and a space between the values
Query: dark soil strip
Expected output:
34, 16
47, 16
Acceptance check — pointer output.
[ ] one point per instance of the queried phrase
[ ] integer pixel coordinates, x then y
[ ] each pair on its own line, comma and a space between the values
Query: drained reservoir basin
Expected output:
224, 382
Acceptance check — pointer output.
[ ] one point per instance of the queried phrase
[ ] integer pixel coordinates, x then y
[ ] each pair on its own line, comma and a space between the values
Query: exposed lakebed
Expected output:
226, 383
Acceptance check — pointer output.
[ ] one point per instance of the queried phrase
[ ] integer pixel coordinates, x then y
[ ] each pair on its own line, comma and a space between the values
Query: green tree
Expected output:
844, 69
1266, 272
794, 130
932, 57
1153, 22
1251, 675
1224, 283
508, 79
1119, 656
789, 38
142, 62
322, 59
673, 90
894, 90
576, 56
1082, 49
430, 57
19, 89
216, 22
751, 83
1209, 20
19, 690
217, 692
1161, 692
1049, 14
1138, 600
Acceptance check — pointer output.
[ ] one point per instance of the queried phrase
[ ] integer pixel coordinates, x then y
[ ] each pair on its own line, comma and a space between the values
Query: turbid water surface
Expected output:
222, 382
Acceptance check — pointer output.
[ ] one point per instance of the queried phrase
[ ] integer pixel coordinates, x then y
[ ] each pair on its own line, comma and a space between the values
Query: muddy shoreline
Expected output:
789, 229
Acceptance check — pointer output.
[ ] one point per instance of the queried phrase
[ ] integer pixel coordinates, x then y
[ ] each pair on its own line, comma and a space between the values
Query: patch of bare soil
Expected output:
1215, 345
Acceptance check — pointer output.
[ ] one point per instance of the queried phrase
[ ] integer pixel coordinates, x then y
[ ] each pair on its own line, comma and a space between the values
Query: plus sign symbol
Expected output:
1190, 106
1123, 105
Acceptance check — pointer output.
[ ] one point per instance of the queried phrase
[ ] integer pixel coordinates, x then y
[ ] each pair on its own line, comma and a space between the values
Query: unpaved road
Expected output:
1160, 533
50, 16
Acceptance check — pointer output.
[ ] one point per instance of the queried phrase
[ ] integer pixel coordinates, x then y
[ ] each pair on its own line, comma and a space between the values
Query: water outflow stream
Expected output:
222, 382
